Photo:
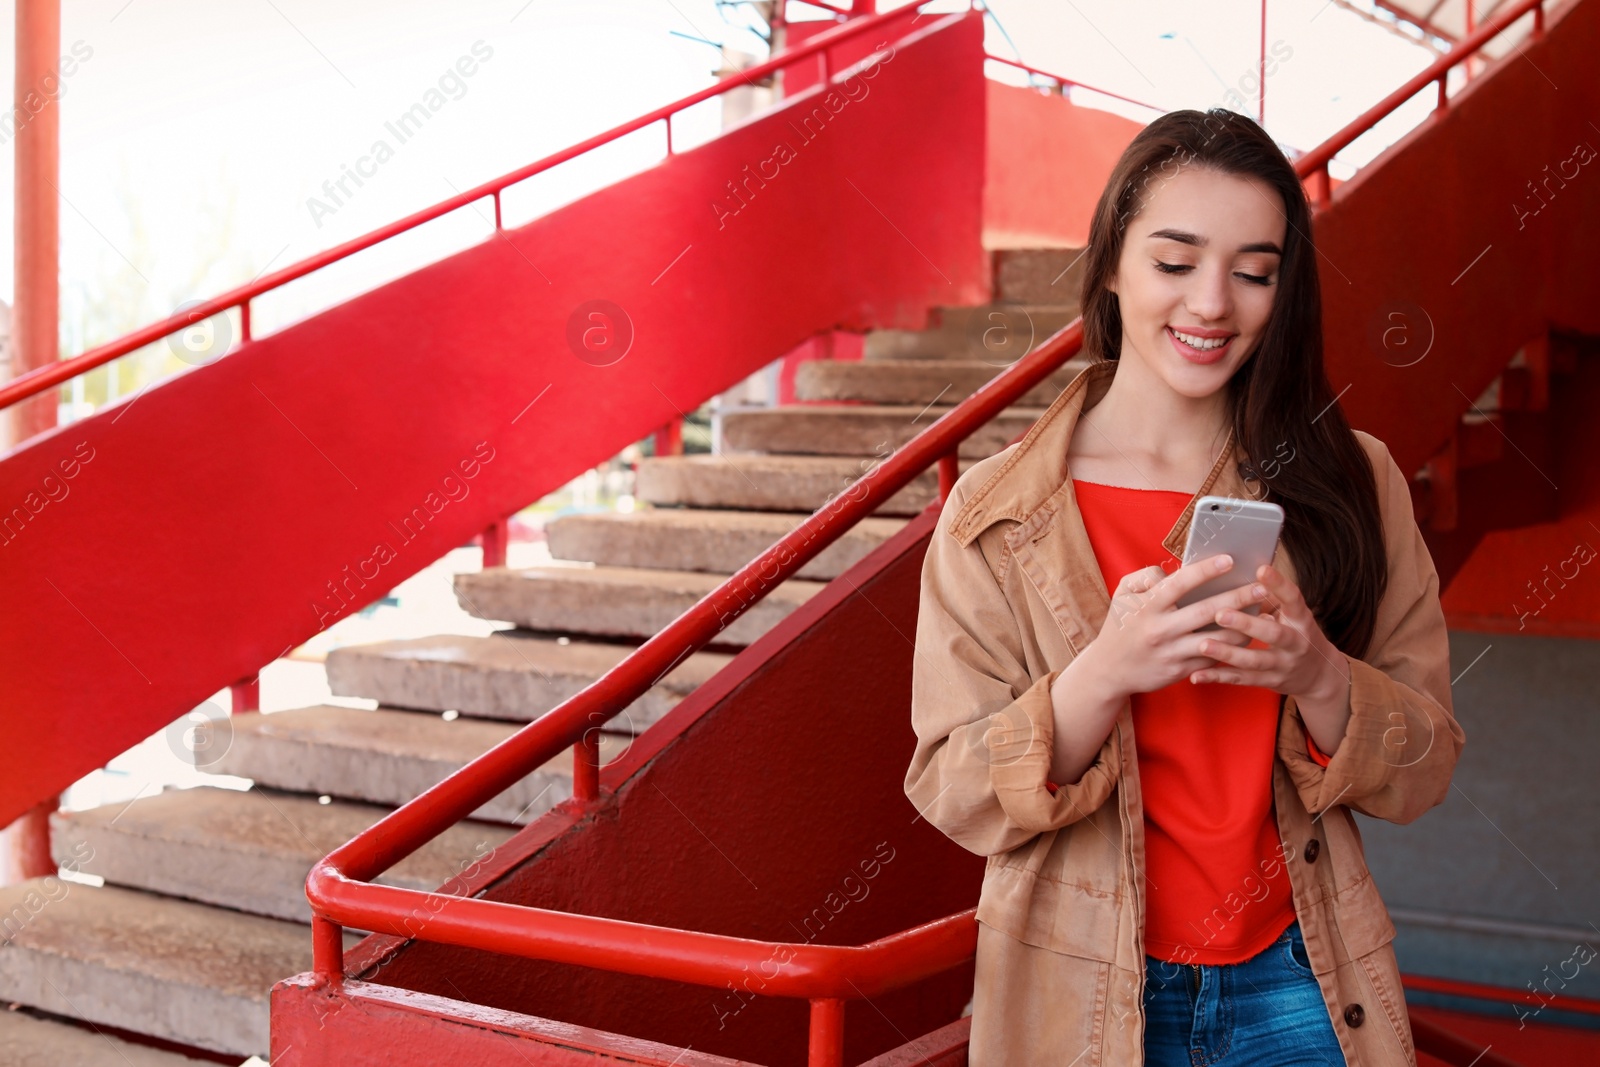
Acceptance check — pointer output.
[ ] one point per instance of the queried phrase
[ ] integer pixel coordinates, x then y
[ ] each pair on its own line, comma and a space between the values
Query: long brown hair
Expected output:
1280, 398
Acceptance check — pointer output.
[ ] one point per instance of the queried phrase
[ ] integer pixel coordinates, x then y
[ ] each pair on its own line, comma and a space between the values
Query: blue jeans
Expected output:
1266, 1011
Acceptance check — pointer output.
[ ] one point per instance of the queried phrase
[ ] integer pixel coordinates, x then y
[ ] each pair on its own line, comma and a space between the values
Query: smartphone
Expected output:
1247, 530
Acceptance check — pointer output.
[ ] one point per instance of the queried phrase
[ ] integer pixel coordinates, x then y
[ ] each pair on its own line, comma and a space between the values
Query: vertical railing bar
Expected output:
827, 1033
586, 767
327, 950
948, 472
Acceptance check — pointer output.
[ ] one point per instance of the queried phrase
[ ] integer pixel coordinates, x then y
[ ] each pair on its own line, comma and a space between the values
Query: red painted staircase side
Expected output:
216, 520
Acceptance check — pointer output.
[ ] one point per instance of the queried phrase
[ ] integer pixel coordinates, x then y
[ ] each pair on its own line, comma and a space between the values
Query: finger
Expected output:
1188, 578
1263, 627
1188, 646
1283, 591
1201, 612
1232, 637
1254, 659
1140, 581
1233, 676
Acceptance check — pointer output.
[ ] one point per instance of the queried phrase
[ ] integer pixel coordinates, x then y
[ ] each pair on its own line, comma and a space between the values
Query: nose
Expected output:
1211, 297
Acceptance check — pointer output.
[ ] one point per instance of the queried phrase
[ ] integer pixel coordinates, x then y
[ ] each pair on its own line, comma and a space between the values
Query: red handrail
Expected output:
41, 378
1313, 166
338, 886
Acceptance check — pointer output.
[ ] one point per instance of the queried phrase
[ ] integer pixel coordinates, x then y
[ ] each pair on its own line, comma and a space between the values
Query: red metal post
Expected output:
34, 321
669, 439
586, 767
246, 694
244, 323
1317, 180
37, 206
947, 475
1261, 71
28, 841
327, 950
827, 1033
495, 537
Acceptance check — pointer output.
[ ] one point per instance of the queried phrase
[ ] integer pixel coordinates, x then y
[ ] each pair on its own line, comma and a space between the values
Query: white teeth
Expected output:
1200, 342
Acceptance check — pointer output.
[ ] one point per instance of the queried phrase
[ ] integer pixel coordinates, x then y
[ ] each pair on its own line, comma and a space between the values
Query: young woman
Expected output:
1174, 875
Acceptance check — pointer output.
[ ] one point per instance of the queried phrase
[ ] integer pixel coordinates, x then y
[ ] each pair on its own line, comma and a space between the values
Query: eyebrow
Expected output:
1185, 237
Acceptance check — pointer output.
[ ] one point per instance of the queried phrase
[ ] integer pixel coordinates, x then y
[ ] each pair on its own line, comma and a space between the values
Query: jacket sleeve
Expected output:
1402, 741
984, 727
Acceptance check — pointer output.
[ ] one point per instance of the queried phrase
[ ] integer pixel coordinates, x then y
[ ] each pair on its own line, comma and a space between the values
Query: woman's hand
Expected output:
1299, 660
1147, 642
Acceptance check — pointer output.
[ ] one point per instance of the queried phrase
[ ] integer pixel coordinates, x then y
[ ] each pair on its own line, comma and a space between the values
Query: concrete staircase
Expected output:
203, 904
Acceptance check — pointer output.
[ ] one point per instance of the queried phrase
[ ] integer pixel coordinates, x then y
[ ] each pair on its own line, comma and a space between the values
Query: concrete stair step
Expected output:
383, 756
249, 850
700, 539
29, 1041
917, 381
755, 481
994, 333
859, 429
630, 602
1039, 275
149, 964
511, 675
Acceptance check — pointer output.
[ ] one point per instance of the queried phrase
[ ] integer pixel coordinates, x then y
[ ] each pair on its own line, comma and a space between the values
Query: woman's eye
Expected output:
1179, 268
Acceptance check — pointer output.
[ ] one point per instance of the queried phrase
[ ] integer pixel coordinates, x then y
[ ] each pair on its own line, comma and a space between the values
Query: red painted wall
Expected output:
1047, 162
1410, 227
183, 539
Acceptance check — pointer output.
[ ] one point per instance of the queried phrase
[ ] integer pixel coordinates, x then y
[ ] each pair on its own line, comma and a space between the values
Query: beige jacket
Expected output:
1010, 593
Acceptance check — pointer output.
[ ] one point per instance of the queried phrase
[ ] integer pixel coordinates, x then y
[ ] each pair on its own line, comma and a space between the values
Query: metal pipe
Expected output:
327, 950
35, 318
827, 1033
948, 473
1261, 76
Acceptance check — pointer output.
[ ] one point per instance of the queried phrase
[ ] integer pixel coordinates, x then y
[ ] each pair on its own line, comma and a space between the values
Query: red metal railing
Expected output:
1313, 166
339, 889
38, 380
494, 538
1067, 83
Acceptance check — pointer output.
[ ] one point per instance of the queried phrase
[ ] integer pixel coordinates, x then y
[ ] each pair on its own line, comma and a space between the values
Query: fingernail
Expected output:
1224, 562
1224, 617
1258, 590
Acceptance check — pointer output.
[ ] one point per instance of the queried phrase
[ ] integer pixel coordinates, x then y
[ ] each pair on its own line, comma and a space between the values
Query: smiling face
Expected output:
1197, 277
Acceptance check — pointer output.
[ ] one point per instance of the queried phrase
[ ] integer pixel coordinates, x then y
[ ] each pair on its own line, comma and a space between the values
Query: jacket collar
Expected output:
1028, 485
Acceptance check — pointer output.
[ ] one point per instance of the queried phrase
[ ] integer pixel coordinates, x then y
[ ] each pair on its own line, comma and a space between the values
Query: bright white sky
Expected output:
195, 133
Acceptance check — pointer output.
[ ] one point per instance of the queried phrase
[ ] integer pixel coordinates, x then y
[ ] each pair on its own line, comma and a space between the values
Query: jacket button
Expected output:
1355, 1015
1312, 848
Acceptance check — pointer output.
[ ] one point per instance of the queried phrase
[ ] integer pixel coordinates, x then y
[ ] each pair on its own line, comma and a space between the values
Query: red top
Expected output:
1217, 888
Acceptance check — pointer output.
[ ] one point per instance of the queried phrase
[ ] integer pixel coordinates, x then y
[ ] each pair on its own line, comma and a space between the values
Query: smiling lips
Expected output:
1201, 346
